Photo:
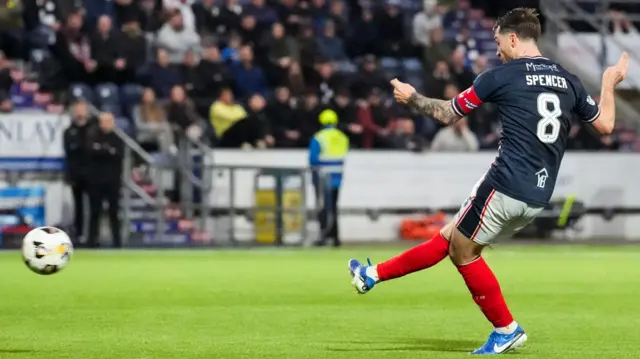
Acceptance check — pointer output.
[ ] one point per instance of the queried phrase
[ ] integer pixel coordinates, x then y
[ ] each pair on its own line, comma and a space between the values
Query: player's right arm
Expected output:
484, 89
440, 110
606, 120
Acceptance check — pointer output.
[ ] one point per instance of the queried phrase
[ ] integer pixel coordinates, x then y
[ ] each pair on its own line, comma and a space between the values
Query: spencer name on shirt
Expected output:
545, 80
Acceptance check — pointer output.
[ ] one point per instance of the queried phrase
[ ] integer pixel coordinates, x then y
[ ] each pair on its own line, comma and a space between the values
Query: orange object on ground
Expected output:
422, 228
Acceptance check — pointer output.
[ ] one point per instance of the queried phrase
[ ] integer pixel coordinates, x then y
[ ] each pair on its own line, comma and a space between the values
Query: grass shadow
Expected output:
408, 344
16, 351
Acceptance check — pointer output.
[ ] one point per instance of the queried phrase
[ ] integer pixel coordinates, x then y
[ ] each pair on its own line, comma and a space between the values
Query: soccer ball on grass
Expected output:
46, 250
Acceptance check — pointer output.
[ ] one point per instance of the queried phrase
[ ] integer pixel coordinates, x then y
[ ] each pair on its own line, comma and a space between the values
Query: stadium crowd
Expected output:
256, 73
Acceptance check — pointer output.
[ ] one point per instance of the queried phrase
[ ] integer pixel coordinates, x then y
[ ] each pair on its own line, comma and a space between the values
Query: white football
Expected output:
46, 250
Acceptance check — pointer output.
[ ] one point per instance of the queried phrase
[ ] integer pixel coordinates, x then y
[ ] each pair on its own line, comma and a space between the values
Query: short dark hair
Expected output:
522, 21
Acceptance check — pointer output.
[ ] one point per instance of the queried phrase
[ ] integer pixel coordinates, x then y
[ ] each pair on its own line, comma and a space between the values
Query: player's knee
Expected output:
462, 250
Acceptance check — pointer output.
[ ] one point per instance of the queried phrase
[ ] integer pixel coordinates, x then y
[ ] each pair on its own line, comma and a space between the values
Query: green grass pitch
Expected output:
574, 302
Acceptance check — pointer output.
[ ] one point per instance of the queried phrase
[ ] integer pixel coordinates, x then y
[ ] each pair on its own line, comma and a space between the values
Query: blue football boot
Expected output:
502, 343
359, 278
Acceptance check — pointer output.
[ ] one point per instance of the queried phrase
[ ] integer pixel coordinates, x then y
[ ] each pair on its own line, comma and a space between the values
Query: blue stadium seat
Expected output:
108, 93
411, 64
125, 125
82, 91
114, 108
390, 66
130, 94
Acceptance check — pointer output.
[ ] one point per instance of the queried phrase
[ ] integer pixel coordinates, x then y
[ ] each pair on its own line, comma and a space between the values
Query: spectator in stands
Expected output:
214, 75
106, 51
586, 139
6, 82
455, 138
250, 131
438, 79
364, 35
73, 50
368, 77
318, 12
181, 113
249, 30
224, 114
375, 120
134, 49
231, 15
462, 75
326, 81
480, 65
403, 135
308, 50
295, 80
467, 44
329, 46
151, 121
258, 119
231, 53
424, 22
265, 16
150, 15
440, 49
283, 51
77, 163
184, 6
12, 41
308, 117
105, 170
249, 78
177, 38
344, 107
338, 16
161, 76
126, 11
192, 81
458, 16
292, 15
207, 17
42, 21
392, 37
283, 119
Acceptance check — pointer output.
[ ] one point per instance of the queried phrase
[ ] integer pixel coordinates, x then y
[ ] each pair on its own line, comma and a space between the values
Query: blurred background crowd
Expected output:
256, 73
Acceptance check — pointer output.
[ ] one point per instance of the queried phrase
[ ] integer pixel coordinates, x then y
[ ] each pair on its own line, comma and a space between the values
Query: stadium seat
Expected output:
130, 95
108, 93
82, 91
113, 108
125, 125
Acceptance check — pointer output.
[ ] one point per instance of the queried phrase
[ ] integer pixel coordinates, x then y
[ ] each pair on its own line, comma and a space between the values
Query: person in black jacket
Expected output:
106, 151
75, 148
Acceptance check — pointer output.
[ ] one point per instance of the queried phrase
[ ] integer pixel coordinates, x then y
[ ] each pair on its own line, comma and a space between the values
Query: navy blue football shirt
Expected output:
536, 100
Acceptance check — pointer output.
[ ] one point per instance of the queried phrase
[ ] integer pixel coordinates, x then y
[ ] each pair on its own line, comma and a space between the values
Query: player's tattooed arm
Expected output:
440, 110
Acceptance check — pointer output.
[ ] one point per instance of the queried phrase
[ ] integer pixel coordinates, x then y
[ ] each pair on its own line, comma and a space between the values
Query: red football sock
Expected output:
417, 258
485, 289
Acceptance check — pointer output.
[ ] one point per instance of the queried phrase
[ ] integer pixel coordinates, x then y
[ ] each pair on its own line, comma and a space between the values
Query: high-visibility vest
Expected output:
334, 145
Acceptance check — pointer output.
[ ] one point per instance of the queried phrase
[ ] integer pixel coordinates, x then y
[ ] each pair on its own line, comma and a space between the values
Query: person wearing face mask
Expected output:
77, 160
105, 154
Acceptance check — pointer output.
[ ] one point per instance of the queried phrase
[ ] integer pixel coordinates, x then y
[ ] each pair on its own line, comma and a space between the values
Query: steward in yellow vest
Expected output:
327, 152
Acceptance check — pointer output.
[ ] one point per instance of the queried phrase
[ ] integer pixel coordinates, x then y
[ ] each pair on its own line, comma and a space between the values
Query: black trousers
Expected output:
98, 193
328, 215
79, 189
